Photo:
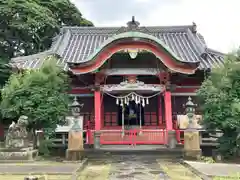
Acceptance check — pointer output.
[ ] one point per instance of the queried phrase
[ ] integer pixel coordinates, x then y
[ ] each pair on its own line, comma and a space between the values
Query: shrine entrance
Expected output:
132, 97
131, 120
132, 113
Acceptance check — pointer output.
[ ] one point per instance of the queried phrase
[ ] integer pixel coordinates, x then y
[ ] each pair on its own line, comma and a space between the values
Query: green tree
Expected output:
220, 101
39, 94
5, 71
27, 26
65, 12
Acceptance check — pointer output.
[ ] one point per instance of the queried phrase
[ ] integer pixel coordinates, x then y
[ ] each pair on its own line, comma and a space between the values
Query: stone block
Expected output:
75, 140
192, 154
191, 140
192, 145
75, 155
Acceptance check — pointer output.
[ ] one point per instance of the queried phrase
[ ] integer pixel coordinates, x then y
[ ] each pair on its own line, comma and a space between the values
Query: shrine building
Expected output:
131, 78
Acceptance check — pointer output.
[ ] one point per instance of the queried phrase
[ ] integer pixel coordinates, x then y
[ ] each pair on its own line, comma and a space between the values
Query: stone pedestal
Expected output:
192, 145
74, 155
16, 154
171, 139
75, 146
97, 144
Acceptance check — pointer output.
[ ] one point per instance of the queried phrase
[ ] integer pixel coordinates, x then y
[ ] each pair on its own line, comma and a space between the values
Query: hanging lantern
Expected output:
117, 101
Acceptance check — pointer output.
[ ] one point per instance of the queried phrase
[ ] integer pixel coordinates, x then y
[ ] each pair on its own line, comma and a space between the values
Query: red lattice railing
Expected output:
132, 137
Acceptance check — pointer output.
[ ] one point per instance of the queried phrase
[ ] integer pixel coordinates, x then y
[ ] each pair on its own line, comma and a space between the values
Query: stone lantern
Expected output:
190, 112
191, 134
76, 109
75, 134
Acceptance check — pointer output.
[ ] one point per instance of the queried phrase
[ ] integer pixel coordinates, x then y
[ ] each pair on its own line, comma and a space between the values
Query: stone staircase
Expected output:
148, 150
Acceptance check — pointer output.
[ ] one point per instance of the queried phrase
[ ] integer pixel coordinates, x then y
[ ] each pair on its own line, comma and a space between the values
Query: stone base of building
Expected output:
74, 155
192, 154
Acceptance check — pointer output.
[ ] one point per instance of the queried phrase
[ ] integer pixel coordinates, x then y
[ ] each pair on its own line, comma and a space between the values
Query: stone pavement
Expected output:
136, 168
140, 167
122, 167
176, 171
95, 170
215, 169
38, 168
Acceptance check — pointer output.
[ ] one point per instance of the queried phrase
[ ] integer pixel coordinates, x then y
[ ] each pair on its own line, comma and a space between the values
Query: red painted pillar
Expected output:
102, 111
97, 110
160, 110
168, 110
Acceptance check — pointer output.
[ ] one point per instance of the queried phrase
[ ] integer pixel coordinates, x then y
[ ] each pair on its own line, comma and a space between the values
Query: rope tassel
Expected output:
147, 101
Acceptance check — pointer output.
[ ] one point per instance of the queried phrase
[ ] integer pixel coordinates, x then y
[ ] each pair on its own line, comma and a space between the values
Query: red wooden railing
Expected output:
132, 137
112, 133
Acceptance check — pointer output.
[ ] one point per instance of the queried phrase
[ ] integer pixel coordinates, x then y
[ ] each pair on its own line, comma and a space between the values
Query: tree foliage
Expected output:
5, 71
27, 26
39, 94
220, 100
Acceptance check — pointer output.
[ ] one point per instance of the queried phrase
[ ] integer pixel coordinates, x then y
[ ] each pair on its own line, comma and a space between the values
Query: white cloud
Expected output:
217, 20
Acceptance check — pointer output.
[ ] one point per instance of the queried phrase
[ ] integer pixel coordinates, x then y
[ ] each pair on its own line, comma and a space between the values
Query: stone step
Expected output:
108, 156
136, 150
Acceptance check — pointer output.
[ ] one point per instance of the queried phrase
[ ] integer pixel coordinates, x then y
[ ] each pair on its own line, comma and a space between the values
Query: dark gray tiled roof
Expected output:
75, 44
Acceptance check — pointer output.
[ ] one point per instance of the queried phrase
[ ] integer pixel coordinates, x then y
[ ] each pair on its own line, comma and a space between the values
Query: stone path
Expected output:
215, 169
27, 168
176, 171
119, 167
136, 168
95, 170
51, 170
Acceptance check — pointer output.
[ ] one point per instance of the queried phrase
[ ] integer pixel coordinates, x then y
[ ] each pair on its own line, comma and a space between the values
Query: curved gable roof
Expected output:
132, 34
78, 44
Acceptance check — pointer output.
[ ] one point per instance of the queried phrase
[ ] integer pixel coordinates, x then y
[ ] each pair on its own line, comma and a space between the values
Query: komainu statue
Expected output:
17, 135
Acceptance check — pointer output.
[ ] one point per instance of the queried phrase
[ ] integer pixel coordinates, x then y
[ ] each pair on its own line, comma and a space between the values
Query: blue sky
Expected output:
217, 20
